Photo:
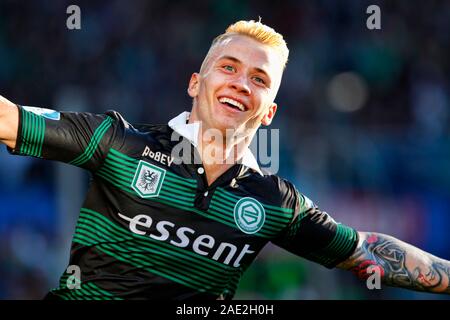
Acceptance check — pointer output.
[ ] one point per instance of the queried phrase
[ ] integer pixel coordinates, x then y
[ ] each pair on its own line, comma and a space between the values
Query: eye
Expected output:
259, 80
228, 68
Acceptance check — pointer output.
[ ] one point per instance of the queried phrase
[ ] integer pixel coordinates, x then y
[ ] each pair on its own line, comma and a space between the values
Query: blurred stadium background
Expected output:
363, 118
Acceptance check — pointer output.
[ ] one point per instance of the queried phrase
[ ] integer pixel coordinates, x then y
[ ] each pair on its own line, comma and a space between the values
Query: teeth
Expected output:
233, 102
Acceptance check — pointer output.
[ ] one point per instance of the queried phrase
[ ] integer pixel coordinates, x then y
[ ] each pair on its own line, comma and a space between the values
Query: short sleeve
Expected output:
314, 235
78, 138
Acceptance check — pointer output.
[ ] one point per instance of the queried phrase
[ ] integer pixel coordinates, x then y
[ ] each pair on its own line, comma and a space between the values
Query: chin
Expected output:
225, 124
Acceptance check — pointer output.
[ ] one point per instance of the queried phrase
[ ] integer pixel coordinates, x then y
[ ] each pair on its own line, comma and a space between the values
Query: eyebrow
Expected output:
234, 59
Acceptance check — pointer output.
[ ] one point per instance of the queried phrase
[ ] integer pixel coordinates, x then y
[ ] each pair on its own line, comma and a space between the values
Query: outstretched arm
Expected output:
9, 122
401, 264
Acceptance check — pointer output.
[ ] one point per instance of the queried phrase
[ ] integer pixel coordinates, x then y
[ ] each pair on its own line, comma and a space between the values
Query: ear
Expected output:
267, 119
193, 85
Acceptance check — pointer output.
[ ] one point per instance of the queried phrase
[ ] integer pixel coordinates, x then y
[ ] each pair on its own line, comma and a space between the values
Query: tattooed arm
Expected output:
400, 264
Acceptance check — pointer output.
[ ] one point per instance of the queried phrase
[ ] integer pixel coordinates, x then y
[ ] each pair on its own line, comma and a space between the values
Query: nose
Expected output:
241, 85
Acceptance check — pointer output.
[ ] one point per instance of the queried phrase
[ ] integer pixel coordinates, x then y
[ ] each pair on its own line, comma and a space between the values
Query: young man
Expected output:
158, 224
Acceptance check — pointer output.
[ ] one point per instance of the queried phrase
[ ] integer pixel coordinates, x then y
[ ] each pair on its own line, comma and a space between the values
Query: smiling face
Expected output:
237, 85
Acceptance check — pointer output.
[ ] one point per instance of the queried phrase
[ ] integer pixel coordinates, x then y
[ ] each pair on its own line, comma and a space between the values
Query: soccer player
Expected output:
167, 218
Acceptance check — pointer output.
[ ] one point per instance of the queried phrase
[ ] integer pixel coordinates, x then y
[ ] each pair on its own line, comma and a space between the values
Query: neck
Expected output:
219, 149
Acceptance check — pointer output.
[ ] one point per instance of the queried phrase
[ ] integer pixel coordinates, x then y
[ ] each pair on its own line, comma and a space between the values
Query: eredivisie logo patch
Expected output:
249, 215
46, 113
148, 180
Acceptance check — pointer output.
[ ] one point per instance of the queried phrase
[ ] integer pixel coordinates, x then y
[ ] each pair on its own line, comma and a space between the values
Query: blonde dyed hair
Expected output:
257, 31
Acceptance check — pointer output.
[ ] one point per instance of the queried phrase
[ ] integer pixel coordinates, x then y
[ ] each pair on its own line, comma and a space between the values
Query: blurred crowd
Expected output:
363, 116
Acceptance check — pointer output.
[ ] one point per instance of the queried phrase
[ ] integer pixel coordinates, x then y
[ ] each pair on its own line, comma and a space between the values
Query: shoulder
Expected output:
273, 181
157, 130
273, 188
140, 135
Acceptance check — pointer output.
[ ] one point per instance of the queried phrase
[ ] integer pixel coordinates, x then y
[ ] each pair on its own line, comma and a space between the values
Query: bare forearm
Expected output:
9, 121
401, 264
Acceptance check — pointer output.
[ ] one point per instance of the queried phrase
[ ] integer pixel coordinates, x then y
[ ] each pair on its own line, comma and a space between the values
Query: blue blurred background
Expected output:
363, 118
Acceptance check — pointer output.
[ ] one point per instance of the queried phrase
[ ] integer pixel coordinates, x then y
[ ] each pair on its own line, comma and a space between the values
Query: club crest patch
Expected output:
148, 180
249, 215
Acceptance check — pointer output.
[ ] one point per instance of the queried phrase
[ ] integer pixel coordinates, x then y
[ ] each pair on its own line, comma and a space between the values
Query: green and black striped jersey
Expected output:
151, 227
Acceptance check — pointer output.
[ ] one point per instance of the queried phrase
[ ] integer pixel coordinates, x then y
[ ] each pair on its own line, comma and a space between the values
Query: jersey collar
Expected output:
190, 131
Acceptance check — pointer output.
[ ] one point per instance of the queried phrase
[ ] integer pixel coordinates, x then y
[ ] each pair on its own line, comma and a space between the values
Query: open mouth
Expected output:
233, 104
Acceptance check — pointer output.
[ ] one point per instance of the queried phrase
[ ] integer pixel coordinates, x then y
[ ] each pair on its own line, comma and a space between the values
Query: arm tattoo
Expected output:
400, 264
